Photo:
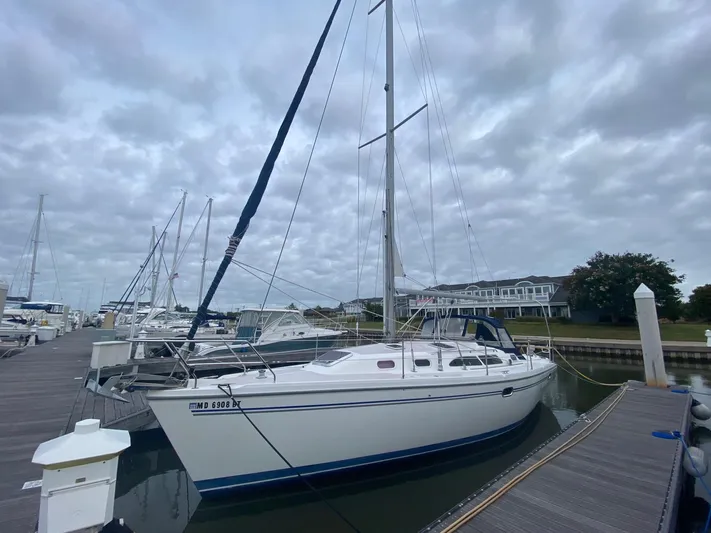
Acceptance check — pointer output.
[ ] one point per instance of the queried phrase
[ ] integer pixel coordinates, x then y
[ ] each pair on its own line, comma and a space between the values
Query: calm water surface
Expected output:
155, 495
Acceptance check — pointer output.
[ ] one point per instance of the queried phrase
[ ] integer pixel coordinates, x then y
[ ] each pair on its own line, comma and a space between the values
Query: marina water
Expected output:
154, 493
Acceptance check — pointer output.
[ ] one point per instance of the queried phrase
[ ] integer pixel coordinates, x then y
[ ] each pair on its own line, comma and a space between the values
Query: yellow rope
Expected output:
591, 380
585, 432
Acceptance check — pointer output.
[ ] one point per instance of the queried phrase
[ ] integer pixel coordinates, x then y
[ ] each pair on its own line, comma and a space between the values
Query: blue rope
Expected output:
676, 435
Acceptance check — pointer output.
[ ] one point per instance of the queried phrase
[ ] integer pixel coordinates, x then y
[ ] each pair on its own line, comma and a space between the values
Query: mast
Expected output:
169, 297
103, 291
389, 226
161, 262
154, 275
33, 272
204, 253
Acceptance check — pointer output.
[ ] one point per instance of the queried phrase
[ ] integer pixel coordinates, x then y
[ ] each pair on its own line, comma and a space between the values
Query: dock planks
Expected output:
620, 478
41, 397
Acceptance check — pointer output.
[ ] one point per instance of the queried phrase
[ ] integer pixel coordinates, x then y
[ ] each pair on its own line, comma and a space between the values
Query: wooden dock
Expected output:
41, 396
619, 478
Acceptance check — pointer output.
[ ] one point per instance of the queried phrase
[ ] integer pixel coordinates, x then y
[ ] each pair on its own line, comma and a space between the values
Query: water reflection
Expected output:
154, 493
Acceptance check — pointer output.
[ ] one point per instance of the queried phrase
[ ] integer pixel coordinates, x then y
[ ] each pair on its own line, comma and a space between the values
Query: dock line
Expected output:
587, 431
227, 390
588, 378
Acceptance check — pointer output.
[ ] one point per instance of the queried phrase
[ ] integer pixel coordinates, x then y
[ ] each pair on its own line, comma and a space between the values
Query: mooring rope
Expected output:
587, 378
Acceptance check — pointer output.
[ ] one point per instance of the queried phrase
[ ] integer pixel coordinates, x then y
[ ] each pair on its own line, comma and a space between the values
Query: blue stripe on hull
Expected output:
217, 485
206, 411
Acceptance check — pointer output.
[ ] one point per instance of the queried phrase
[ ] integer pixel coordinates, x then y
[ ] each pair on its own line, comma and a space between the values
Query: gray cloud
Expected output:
575, 127
33, 74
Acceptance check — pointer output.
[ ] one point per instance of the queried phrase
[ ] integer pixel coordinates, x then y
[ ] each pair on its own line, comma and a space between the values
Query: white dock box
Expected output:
79, 478
110, 353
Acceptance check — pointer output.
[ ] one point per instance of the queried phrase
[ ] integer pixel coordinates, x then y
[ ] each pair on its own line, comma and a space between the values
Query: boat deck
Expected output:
41, 396
619, 478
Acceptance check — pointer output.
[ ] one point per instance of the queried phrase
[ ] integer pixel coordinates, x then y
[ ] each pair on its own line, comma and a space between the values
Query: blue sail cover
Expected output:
255, 198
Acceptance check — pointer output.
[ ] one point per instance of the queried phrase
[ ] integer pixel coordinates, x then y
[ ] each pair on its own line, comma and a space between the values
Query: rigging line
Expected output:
362, 87
441, 119
362, 127
377, 260
190, 237
412, 60
133, 282
412, 205
51, 253
398, 234
246, 266
311, 153
22, 258
372, 217
418, 282
360, 138
372, 74
432, 218
446, 129
306, 482
301, 302
166, 284
255, 197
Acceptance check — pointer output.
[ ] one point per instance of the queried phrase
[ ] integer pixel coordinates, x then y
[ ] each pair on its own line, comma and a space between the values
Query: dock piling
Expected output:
652, 352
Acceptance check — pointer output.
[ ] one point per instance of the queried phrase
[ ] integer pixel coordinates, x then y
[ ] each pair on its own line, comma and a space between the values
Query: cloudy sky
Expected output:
575, 126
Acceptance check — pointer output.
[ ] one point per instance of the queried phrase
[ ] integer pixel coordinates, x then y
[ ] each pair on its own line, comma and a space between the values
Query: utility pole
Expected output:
34, 272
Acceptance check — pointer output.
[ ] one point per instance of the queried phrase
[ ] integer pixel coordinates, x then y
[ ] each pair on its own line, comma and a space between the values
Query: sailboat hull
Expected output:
327, 431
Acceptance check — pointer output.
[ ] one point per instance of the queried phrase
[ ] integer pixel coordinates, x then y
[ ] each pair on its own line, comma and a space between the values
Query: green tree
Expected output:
374, 312
181, 308
291, 306
607, 283
699, 307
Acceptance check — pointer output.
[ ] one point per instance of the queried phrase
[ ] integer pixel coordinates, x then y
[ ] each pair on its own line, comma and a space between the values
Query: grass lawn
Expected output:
670, 332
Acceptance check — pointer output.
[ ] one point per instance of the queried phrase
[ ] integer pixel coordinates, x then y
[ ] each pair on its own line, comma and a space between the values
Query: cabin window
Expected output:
468, 361
394, 346
443, 345
331, 357
422, 362
386, 364
492, 360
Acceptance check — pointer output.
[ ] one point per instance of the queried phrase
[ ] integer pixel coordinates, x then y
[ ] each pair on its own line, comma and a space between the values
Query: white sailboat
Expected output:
352, 406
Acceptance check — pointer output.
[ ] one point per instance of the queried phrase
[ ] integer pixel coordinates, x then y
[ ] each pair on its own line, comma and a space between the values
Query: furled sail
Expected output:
399, 271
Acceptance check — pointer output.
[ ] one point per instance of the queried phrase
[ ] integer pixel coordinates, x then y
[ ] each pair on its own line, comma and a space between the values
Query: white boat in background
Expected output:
273, 331
352, 406
14, 327
55, 314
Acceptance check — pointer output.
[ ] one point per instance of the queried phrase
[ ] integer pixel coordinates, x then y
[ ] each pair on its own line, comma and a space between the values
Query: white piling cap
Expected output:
643, 292
87, 442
